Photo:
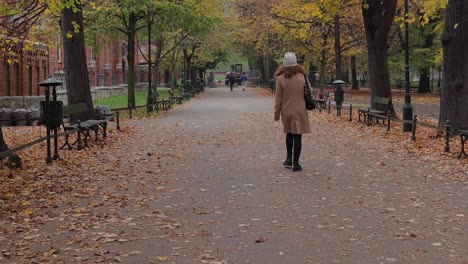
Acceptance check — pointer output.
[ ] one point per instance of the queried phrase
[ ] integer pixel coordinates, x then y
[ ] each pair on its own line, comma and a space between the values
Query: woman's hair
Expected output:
290, 71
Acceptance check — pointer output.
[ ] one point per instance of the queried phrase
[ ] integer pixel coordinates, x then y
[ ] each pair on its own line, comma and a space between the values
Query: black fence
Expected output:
446, 129
116, 111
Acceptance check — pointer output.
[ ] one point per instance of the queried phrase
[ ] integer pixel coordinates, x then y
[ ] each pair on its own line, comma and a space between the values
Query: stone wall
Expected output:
14, 102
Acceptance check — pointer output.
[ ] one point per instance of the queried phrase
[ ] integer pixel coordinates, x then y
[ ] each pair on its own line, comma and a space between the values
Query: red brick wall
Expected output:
16, 76
20, 72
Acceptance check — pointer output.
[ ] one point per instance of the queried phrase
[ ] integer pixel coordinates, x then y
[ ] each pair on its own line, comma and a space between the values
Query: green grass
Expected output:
121, 101
232, 59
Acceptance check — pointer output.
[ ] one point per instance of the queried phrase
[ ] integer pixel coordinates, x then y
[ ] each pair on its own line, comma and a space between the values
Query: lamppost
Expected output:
150, 98
407, 107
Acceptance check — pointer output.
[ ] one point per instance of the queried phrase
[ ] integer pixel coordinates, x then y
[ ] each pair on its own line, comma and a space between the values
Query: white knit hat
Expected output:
289, 59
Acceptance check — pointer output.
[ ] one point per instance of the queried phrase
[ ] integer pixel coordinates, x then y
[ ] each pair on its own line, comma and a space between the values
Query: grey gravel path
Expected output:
204, 184
355, 201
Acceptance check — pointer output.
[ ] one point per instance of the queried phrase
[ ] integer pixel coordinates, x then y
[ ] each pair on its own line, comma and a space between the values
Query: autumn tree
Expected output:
76, 70
322, 28
176, 23
25, 14
378, 18
454, 91
254, 35
424, 44
15, 21
127, 17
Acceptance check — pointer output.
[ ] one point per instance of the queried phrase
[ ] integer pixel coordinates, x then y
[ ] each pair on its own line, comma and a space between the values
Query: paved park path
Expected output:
204, 184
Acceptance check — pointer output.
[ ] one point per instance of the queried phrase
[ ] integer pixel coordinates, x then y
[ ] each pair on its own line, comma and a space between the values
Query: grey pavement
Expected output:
204, 184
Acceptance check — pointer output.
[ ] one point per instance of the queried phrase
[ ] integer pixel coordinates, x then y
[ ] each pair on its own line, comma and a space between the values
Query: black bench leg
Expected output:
67, 137
95, 130
86, 135
79, 142
463, 139
104, 130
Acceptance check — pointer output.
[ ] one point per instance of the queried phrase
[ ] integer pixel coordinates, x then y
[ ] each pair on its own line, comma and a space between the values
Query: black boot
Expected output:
296, 166
289, 148
297, 152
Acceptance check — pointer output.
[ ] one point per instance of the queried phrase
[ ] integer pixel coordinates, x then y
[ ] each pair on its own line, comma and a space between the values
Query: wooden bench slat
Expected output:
381, 100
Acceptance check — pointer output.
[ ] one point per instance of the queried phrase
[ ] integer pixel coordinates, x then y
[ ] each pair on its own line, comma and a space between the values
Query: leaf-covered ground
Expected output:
203, 183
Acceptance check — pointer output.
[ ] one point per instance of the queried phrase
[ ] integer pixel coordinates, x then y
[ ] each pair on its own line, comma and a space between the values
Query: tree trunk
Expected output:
323, 68
76, 70
156, 78
378, 18
354, 83
132, 21
263, 74
424, 82
14, 160
173, 70
273, 65
157, 63
454, 92
337, 35
3, 145
189, 70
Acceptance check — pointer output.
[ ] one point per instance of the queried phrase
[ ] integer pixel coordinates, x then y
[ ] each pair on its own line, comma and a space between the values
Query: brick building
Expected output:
21, 70
106, 65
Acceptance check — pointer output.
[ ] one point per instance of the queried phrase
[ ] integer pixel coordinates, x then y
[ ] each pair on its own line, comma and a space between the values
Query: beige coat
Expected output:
290, 104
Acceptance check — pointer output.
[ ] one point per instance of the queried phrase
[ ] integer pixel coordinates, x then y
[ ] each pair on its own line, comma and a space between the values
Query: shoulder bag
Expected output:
309, 101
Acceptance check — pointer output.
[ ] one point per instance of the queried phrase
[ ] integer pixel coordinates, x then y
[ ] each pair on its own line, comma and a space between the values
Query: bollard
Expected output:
350, 112
130, 109
79, 144
329, 107
389, 117
118, 119
447, 136
368, 121
415, 120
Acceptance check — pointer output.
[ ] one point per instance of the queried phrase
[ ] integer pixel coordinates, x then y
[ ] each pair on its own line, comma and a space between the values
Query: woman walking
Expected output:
290, 105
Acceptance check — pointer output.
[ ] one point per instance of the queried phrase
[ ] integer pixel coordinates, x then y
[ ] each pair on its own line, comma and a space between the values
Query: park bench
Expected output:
173, 98
374, 115
463, 137
164, 104
322, 102
83, 128
186, 95
314, 94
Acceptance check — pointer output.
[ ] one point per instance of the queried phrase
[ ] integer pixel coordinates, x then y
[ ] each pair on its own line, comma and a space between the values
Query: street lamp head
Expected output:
150, 13
50, 82
339, 82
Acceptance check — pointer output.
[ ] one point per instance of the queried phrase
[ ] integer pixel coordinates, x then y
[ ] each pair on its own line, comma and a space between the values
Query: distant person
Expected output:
231, 79
290, 105
244, 79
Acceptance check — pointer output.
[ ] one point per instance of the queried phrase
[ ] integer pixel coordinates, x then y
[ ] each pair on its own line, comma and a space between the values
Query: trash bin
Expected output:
103, 111
6, 114
21, 116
